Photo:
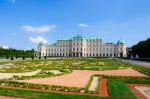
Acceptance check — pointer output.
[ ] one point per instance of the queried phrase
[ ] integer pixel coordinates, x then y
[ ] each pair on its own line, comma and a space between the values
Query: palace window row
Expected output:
88, 55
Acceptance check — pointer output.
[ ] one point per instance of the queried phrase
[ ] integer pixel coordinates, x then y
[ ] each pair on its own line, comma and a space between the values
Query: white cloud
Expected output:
12, 1
83, 25
14, 34
41, 29
38, 39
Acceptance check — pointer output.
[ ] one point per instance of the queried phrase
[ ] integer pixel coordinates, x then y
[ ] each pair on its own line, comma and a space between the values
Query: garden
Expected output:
88, 78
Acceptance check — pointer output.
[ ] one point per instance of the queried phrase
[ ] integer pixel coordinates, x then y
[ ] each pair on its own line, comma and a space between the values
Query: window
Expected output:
121, 49
93, 54
103, 49
111, 55
77, 49
103, 55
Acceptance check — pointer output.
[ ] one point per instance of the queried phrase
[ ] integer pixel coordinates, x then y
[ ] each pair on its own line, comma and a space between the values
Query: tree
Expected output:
142, 49
12, 58
23, 57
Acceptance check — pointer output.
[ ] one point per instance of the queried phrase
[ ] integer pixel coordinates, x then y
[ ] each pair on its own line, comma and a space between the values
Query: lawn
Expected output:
117, 90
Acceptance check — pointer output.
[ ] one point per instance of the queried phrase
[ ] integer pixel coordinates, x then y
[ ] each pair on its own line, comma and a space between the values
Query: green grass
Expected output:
42, 95
117, 90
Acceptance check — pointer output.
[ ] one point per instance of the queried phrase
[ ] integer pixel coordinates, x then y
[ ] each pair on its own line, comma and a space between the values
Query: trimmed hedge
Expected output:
40, 86
124, 77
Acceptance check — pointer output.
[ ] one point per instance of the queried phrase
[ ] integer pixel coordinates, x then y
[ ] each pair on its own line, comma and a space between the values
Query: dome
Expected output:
78, 37
120, 42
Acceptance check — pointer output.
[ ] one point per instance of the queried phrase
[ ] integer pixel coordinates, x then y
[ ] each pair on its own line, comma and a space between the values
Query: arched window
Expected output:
100, 55
107, 55
103, 55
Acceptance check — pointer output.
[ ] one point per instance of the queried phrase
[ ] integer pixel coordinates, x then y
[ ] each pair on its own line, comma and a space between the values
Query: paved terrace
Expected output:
141, 63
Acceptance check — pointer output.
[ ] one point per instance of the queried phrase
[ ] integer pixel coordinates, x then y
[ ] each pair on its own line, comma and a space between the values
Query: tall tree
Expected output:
142, 49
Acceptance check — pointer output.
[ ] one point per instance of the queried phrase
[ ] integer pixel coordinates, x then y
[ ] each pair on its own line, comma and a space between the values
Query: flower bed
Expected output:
40, 86
94, 84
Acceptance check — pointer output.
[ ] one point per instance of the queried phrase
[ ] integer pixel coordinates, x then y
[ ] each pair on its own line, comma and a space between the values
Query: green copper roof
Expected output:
120, 42
80, 37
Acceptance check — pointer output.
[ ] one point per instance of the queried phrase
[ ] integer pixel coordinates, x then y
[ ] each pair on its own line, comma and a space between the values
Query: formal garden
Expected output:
82, 78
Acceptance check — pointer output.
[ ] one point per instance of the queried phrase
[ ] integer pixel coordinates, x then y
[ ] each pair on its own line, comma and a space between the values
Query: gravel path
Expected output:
133, 88
79, 78
8, 97
144, 90
10, 75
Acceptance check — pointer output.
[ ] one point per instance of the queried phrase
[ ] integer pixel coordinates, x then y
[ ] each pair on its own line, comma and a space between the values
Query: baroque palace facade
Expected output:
79, 46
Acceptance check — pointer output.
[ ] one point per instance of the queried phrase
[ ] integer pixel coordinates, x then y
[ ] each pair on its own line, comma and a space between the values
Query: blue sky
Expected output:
23, 23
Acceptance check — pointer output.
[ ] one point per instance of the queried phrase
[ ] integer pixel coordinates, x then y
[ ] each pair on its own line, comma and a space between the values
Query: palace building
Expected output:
80, 46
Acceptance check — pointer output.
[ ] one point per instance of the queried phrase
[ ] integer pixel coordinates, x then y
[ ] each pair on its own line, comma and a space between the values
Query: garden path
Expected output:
10, 75
80, 78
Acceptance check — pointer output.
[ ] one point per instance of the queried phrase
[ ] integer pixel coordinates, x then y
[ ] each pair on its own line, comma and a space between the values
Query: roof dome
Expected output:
120, 42
78, 37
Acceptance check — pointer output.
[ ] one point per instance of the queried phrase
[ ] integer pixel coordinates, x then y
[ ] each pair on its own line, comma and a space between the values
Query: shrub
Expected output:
12, 58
